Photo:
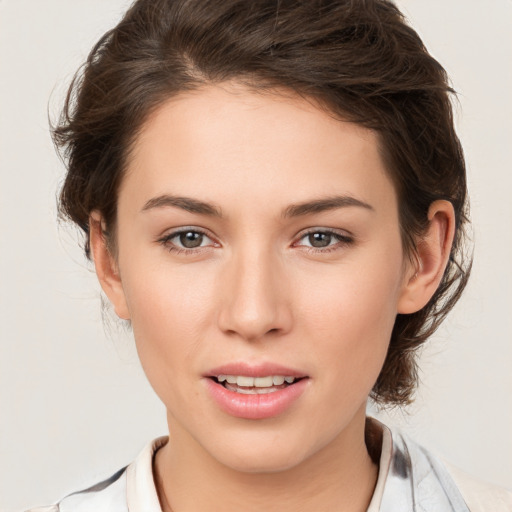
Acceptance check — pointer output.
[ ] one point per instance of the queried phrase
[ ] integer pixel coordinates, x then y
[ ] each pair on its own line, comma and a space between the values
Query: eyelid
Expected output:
165, 239
344, 238
331, 231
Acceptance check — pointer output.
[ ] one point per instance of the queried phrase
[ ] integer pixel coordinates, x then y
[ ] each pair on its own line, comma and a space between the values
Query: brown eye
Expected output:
191, 239
185, 240
320, 239
324, 240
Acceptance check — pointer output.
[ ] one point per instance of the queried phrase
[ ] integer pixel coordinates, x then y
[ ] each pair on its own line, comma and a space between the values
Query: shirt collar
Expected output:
141, 492
410, 478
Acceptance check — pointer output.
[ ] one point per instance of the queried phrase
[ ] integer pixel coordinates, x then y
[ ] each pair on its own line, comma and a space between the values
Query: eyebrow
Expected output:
185, 203
322, 205
294, 210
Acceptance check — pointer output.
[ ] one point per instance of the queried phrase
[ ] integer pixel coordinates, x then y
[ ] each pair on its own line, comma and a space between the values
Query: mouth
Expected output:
255, 391
248, 385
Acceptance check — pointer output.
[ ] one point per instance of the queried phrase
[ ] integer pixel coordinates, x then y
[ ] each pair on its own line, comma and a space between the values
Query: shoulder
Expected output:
435, 479
106, 496
131, 489
412, 478
480, 496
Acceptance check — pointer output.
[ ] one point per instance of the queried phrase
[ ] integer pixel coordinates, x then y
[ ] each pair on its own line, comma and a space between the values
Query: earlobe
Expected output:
106, 266
432, 253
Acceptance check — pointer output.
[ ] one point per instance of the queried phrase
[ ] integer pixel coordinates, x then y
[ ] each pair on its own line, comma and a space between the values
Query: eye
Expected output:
322, 240
186, 239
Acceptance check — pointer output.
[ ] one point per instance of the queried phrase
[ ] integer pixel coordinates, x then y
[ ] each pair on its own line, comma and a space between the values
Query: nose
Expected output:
255, 302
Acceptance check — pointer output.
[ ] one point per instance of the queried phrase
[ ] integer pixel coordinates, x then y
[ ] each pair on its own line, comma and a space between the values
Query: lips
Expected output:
255, 391
255, 370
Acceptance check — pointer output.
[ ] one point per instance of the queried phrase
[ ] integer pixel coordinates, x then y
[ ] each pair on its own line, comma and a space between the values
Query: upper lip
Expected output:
254, 370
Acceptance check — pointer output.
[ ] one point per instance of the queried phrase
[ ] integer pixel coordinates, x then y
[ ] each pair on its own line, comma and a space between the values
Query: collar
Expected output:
412, 479
409, 479
141, 492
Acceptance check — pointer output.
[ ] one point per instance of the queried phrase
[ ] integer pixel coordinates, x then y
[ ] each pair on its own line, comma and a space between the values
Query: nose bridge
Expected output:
255, 303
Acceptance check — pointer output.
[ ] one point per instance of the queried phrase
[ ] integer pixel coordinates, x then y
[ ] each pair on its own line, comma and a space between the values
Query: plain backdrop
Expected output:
74, 403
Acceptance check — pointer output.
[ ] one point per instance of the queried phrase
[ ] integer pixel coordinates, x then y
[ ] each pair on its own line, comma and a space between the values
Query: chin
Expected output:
261, 463
268, 452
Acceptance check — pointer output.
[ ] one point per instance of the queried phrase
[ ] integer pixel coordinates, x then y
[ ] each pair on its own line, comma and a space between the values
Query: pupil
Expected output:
319, 239
191, 239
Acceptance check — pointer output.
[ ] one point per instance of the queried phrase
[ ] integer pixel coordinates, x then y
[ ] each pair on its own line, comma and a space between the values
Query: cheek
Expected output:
170, 309
164, 295
350, 314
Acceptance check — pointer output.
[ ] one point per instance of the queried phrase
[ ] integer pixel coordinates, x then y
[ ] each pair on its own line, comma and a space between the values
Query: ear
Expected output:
106, 266
432, 253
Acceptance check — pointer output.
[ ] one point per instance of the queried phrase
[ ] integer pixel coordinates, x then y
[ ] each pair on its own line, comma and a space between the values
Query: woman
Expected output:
273, 194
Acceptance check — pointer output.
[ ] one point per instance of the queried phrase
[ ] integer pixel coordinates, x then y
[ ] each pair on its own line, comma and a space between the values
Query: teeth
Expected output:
246, 382
256, 391
277, 380
263, 382
256, 382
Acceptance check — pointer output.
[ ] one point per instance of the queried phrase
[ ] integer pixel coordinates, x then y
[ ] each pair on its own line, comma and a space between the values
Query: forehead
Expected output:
229, 142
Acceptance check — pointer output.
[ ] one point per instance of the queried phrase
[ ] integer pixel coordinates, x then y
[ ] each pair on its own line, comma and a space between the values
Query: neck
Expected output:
341, 476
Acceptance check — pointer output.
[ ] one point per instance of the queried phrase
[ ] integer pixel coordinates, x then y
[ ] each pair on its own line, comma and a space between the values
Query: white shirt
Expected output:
410, 479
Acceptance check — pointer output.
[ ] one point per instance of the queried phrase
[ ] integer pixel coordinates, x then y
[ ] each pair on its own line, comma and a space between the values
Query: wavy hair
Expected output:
359, 59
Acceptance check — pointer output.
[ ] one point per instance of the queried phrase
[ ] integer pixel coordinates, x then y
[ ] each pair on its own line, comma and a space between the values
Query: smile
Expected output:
255, 385
255, 392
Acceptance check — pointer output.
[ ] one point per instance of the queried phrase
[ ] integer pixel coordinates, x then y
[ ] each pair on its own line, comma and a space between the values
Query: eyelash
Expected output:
171, 247
343, 240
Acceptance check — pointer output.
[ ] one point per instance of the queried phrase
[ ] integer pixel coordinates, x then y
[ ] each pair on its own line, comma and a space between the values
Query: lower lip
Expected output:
255, 407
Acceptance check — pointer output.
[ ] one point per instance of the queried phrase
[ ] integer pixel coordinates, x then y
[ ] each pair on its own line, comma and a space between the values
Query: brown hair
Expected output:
357, 58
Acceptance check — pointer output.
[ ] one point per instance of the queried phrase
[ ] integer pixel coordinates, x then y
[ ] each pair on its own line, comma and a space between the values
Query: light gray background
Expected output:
74, 404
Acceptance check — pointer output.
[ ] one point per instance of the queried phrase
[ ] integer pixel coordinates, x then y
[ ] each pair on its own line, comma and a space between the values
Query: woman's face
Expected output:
258, 239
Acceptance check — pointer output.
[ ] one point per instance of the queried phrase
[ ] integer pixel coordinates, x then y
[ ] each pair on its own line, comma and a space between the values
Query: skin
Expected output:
257, 291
